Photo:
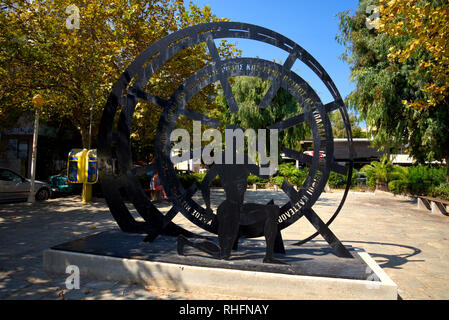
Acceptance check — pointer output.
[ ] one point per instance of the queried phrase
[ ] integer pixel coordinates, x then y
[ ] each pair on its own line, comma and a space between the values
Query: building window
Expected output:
17, 155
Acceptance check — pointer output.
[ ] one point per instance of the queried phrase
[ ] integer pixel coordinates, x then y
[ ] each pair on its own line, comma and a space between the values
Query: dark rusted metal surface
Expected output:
126, 93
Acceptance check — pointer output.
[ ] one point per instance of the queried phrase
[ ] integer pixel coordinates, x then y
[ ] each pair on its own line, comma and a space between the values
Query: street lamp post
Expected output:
38, 102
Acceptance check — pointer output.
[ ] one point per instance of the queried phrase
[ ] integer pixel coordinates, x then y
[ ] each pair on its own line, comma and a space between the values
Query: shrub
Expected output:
297, 176
187, 179
417, 180
377, 172
422, 178
441, 191
336, 180
255, 179
294, 175
399, 180
277, 180
355, 175
397, 186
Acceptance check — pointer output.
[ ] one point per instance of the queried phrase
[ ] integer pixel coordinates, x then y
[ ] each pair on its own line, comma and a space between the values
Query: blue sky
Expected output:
311, 24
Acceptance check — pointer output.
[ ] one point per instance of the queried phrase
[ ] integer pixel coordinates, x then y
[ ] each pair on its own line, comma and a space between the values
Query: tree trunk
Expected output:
84, 137
447, 169
382, 186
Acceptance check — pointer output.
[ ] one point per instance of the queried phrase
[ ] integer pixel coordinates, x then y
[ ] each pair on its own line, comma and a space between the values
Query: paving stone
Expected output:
100, 285
405, 241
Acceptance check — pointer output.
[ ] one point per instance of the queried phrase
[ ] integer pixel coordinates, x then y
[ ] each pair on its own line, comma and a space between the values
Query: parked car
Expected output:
361, 178
14, 187
60, 184
310, 153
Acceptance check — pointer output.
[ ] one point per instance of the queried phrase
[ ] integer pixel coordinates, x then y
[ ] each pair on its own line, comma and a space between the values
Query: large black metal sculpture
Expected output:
234, 219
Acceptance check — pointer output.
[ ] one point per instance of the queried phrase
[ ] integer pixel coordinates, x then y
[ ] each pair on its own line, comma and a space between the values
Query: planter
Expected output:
382, 186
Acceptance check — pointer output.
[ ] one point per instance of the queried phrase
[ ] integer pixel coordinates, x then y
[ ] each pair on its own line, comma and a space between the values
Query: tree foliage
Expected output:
377, 172
425, 27
417, 180
384, 81
248, 93
338, 125
74, 69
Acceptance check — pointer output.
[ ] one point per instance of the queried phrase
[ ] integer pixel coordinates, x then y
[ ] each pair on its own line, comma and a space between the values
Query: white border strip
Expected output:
240, 283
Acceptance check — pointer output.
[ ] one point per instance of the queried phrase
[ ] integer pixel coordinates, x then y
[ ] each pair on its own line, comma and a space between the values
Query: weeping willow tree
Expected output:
400, 70
248, 93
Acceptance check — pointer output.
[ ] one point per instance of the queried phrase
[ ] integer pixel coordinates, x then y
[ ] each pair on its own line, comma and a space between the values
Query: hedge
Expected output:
295, 176
414, 180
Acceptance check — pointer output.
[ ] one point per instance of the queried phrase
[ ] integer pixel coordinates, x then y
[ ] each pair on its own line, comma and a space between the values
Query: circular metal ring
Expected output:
130, 87
296, 86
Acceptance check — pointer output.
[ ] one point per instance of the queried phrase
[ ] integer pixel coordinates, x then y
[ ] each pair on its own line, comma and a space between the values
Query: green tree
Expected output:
248, 93
382, 84
75, 68
399, 180
338, 125
378, 172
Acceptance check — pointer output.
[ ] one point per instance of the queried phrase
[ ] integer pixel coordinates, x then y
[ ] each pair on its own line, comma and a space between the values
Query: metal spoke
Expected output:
338, 168
326, 233
291, 122
288, 64
162, 102
174, 210
227, 90
317, 223
128, 110
306, 116
126, 93
292, 194
334, 105
147, 97
307, 159
214, 123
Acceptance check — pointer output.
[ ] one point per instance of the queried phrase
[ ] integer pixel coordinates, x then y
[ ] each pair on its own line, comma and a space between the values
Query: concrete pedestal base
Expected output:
438, 209
312, 272
423, 204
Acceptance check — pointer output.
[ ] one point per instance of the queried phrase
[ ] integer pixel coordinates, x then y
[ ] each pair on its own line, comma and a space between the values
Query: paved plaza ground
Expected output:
411, 245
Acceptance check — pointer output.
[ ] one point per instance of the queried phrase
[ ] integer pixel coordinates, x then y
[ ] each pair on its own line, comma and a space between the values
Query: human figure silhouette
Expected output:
233, 212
